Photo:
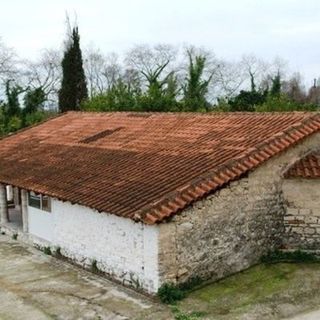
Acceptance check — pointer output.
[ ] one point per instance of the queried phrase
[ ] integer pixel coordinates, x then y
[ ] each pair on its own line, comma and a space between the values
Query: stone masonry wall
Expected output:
231, 229
302, 219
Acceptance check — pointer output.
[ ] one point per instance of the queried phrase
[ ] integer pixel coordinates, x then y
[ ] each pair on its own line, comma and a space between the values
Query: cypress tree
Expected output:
74, 87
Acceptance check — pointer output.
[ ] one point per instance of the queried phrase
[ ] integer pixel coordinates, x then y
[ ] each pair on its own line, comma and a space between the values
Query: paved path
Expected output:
39, 287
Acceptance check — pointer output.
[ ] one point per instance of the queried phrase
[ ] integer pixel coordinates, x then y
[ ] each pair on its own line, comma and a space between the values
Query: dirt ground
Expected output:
37, 286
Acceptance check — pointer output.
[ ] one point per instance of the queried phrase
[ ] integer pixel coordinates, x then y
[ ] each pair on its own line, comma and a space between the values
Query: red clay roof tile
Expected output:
145, 166
308, 167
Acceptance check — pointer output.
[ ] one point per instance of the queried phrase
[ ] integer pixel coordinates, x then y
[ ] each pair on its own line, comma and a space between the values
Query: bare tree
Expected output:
229, 78
277, 66
294, 88
113, 70
44, 73
94, 64
254, 69
8, 67
102, 71
153, 63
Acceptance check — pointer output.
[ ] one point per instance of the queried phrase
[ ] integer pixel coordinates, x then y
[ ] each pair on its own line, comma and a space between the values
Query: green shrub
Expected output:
292, 256
47, 250
15, 236
169, 293
94, 267
58, 253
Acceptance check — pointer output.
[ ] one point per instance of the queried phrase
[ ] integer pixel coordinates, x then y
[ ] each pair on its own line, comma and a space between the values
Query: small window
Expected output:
46, 203
39, 201
34, 200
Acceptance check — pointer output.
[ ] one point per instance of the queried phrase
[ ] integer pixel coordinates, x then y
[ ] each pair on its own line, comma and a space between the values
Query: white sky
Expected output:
288, 28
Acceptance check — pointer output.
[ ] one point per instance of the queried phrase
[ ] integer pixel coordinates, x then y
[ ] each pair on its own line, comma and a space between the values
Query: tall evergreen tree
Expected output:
276, 85
74, 87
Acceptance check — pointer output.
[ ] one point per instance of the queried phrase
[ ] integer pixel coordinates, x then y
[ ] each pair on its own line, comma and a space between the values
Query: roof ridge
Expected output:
198, 113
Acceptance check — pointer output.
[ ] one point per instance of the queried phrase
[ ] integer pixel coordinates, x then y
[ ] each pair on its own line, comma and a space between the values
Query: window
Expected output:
39, 201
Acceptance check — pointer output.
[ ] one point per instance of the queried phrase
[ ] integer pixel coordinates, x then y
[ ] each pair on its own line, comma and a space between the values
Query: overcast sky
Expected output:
288, 28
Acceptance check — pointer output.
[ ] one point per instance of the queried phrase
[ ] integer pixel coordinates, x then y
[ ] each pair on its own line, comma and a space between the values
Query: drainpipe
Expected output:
24, 210
4, 216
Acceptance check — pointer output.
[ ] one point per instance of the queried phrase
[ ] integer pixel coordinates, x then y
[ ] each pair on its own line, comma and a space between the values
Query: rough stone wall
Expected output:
231, 229
302, 219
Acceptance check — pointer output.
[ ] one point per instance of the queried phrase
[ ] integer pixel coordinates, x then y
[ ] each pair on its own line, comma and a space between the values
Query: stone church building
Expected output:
164, 197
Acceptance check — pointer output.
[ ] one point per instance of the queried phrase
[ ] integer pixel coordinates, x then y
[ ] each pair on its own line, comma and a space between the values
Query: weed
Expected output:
94, 267
58, 253
47, 250
15, 236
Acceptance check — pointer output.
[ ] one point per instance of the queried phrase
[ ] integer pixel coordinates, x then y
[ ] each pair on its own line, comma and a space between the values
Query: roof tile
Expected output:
146, 166
308, 167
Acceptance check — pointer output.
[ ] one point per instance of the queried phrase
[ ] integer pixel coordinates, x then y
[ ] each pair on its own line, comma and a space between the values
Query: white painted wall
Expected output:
126, 250
40, 223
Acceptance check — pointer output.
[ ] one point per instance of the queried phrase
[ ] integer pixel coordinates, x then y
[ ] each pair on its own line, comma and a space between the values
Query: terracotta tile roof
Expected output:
144, 166
307, 167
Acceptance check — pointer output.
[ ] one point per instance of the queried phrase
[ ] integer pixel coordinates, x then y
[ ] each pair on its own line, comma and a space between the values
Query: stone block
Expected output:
316, 212
298, 230
309, 230
311, 219
292, 211
305, 211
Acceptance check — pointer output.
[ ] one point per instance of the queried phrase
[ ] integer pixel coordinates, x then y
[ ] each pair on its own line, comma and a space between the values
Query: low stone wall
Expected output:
230, 230
302, 218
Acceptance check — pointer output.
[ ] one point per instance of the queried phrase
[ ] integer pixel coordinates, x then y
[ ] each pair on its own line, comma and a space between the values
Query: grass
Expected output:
257, 287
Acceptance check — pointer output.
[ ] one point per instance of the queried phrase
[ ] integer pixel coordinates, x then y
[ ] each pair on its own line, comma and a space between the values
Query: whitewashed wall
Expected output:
40, 223
126, 250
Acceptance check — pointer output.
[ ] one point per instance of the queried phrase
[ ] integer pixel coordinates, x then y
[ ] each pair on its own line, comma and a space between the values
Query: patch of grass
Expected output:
179, 315
47, 250
249, 285
289, 256
256, 289
14, 236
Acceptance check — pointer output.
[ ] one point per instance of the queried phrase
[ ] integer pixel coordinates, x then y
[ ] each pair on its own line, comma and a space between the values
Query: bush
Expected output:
169, 293
94, 267
291, 256
58, 253
47, 251
15, 236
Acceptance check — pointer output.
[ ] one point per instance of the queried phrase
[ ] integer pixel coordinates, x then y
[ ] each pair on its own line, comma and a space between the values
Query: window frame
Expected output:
33, 196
